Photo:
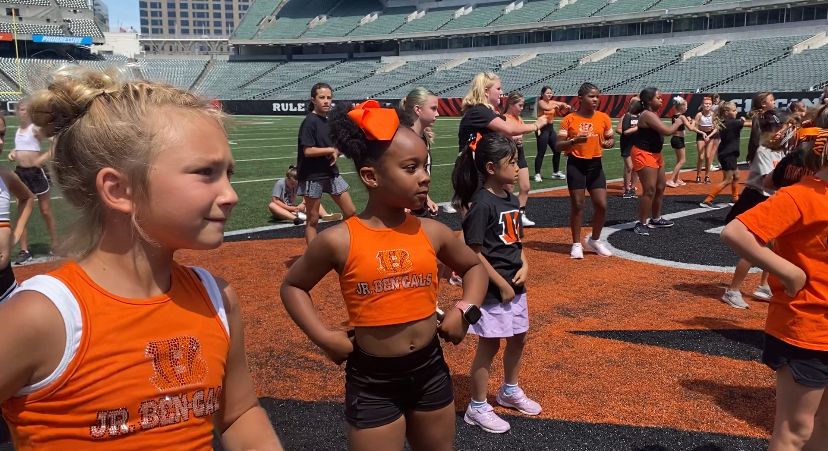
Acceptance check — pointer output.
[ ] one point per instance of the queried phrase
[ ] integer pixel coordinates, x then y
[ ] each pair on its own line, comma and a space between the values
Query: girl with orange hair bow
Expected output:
397, 384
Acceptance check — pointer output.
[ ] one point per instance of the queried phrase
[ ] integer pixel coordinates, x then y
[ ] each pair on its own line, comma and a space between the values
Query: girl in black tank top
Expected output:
649, 163
677, 141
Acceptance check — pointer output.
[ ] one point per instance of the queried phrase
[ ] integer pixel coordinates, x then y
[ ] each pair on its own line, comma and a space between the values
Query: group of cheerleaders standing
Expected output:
398, 386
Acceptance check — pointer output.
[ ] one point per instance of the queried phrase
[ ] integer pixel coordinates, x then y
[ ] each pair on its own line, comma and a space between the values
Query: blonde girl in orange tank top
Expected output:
134, 351
397, 384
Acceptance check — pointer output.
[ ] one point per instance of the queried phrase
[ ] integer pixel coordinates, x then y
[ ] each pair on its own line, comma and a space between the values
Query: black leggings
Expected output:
547, 137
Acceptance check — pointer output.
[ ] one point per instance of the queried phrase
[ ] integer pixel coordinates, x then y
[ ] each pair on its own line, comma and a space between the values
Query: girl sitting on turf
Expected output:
418, 110
729, 131
492, 227
397, 384
283, 204
133, 350
796, 331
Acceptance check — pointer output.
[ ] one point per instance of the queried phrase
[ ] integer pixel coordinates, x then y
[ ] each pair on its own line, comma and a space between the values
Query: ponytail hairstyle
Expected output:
416, 97
679, 101
719, 117
513, 98
756, 102
470, 168
352, 139
477, 91
647, 95
636, 107
100, 122
314, 89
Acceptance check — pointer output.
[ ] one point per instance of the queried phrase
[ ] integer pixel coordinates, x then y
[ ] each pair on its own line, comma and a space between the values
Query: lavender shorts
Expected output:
503, 320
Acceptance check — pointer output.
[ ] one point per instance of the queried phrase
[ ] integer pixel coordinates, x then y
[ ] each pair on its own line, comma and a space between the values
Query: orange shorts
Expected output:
642, 159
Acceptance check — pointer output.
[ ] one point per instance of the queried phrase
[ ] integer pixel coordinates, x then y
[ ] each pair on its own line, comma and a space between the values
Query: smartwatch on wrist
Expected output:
471, 313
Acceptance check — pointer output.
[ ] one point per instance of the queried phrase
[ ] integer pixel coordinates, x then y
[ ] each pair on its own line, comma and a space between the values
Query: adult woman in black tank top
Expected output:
648, 161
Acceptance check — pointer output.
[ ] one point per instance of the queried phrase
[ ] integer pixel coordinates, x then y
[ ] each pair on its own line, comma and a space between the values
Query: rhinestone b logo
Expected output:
394, 261
176, 362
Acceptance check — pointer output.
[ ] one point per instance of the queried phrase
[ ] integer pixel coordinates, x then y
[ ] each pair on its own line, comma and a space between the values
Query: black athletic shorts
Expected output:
521, 157
677, 142
379, 390
748, 199
729, 162
583, 173
36, 179
7, 282
626, 150
808, 367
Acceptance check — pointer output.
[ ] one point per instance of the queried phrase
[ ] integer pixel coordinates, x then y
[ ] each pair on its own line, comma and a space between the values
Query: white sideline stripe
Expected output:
715, 230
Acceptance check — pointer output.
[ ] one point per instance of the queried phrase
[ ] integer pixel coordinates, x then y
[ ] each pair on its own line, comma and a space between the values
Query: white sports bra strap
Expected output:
215, 294
69, 309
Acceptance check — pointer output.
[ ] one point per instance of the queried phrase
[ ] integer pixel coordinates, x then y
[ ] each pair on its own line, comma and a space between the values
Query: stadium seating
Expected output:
34, 2
387, 22
801, 71
393, 84
344, 18
673, 4
531, 76
626, 7
30, 28
249, 24
222, 79
85, 27
292, 20
581, 8
532, 11
75, 4
181, 73
431, 21
481, 16
699, 72
454, 82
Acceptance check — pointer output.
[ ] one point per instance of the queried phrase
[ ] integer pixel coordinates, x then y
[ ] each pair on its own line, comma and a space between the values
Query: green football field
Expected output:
264, 147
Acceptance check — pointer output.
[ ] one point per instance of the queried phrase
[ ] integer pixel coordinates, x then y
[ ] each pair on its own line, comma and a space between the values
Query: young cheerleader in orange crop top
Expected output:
386, 260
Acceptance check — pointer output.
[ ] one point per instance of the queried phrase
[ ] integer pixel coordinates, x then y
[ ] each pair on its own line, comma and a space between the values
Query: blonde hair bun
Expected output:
68, 97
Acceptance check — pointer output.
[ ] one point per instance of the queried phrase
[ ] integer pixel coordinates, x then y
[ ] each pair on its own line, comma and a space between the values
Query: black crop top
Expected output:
676, 118
648, 139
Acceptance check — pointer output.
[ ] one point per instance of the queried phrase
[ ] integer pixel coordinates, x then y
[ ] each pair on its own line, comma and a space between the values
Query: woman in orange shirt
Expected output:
134, 351
796, 331
397, 384
583, 136
514, 107
546, 137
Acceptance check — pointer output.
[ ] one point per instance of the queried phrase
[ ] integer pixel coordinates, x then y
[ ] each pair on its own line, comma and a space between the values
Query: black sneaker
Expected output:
641, 229
298, 221
660, 223
23, 257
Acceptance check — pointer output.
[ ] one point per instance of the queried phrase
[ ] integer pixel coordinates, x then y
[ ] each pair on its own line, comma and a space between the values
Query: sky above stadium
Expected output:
123, 13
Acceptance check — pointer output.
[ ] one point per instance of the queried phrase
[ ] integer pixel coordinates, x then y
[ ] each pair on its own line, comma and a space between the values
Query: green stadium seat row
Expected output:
75, 4
177, 72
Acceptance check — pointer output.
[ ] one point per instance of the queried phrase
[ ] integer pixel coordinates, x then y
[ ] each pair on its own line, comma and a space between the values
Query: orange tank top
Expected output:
147, 373
390, 276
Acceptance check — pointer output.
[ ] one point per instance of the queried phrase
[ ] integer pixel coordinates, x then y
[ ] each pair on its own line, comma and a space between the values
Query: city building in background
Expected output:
190, 18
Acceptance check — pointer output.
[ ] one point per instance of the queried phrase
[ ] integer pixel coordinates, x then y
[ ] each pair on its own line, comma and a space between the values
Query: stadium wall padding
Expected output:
613, 105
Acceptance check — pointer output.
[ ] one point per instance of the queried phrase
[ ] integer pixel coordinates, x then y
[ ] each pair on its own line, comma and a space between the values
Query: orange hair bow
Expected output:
818, 135
378, 123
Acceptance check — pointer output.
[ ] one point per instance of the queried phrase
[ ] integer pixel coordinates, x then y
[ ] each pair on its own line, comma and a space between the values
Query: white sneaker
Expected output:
538, 178
526, 221
598, 247
577, 251
763, 292
559, 175
301, 216
734, 299
448, 208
